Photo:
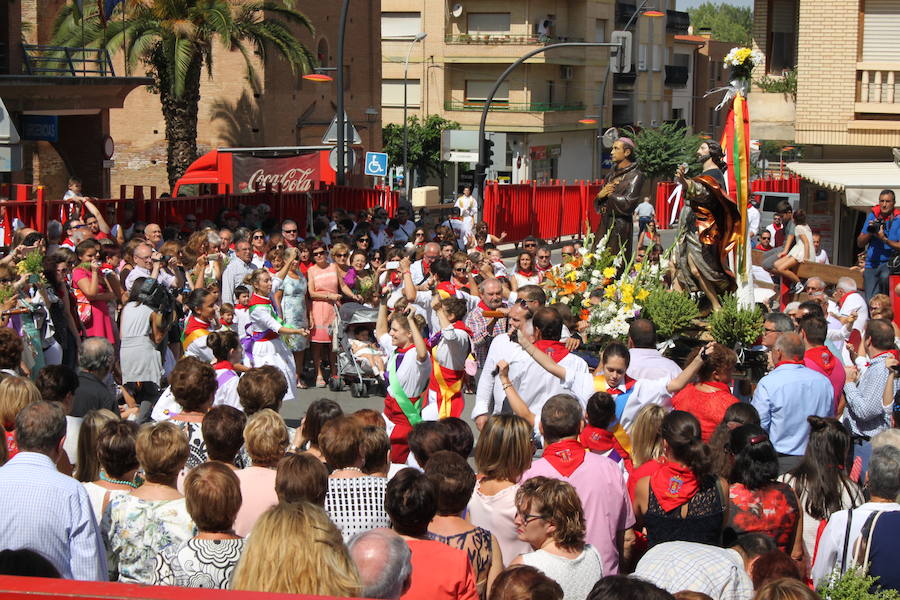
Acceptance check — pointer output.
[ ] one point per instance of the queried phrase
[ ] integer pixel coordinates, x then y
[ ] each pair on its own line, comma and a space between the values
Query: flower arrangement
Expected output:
670, 311
619, 287
742, 61
32, 265
732, 325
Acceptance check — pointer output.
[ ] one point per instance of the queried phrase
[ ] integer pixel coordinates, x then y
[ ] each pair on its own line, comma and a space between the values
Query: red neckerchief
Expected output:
224, 364
844, 299
673, 485
615, 391
193, 324
461, 326
552, 348
789, 362
540, 270
426, 267
821, 356
777, 226
396, 278
273, 270
240, 307
260, 254
257, 299
718, 385
525, 273
68, 242
893, 353
565, 456
484, 307
876, 210
601, 440
762, 247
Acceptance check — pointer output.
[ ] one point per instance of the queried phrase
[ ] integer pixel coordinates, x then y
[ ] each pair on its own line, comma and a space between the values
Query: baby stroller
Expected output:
358, 375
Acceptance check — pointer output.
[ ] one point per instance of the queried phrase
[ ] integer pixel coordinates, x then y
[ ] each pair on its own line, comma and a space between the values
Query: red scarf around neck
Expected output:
461, 326
193, 324
448, 288
525, 273
822, 357
256, 299
789, 362
223, 364
673, 485
844, 299
601, 440
565, 456
554, 349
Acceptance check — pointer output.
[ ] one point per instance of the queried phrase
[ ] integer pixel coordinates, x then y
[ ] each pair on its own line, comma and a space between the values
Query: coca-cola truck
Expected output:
246, 170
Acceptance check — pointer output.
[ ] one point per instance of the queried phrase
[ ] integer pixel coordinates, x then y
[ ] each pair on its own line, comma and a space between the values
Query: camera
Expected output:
156, 296
874, 226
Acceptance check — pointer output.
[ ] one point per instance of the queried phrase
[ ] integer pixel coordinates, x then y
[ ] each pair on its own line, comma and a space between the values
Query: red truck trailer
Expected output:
246, 170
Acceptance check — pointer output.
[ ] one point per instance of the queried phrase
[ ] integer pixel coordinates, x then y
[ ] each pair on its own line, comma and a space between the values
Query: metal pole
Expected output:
341, 146
481, 167
406, 125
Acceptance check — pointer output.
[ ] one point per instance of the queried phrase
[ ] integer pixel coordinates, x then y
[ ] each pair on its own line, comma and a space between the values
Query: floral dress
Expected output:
293, 305
136, 530
772, 510
478, 544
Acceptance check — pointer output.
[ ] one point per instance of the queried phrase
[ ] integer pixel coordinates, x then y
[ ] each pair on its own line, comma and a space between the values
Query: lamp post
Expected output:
341, 178
418, 38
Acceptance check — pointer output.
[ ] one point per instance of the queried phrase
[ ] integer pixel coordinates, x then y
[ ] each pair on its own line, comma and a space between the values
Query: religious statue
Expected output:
710, 225
616, 201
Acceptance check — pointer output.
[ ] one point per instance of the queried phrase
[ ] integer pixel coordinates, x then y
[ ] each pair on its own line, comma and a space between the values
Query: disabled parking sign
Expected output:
376, 164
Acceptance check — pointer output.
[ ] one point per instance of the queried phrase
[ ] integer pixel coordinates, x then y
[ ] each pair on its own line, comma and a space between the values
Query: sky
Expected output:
686, 4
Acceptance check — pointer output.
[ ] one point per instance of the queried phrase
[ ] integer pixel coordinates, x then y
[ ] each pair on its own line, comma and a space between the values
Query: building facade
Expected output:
846, 106
469, 44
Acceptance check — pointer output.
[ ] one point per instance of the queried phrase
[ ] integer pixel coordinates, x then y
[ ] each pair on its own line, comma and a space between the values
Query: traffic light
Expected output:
485, 157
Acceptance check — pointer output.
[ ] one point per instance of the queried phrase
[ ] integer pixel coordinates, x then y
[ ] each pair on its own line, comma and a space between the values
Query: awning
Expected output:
861, 181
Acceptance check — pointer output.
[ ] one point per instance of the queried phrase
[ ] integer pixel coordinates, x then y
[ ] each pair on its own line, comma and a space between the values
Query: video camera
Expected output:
156, 296
874, 225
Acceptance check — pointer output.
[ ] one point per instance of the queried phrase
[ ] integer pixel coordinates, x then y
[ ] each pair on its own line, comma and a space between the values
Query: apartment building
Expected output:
847, 103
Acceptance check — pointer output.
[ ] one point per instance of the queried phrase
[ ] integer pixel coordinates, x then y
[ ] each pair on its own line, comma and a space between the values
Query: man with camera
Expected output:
880, 236
148, 263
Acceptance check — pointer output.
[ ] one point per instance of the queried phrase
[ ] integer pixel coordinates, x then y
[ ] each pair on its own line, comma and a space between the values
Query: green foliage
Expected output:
726, 22
786, 84
424, 142
731, 325
855, 584
670, 311
7, 291
661, 149
33, 263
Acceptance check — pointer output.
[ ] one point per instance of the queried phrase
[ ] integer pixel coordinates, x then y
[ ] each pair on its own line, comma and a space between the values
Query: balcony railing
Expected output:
677, 22
61, 61
504, 106
676, 76
505, 38
879, 88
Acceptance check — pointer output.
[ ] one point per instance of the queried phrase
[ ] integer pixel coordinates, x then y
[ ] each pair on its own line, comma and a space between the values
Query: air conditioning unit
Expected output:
566, 72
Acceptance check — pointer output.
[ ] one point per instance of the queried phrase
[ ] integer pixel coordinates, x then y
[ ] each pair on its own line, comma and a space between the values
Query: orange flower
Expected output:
582, 287
576, 262
585, 314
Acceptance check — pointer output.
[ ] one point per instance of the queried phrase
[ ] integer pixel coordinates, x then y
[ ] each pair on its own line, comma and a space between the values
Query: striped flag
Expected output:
736, 146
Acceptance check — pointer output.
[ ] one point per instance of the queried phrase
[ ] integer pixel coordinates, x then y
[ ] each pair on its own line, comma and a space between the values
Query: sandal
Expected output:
320, 381
302, 385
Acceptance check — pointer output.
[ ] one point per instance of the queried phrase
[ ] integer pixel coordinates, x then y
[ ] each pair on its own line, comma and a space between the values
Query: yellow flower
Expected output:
638, 267
627, 289
610, 291
609, 272
642, 294
627, 299
586, 303
573, 276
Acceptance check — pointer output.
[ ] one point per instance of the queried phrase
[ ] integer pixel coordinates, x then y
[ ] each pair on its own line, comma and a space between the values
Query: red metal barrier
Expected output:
547, 211
21, 203
663, 209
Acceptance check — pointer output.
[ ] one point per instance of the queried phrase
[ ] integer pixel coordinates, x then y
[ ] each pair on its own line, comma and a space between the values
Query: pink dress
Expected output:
322, 312
257, 496
101, 324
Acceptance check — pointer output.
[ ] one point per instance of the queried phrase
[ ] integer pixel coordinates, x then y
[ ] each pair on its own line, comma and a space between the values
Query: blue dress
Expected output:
293, 305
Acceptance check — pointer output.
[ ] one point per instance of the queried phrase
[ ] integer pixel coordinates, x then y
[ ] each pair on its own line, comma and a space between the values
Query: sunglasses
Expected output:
259, 237
280, 246
340, 254
522, 302
460, 269
288, 231
531, 245
420, 234
318, 253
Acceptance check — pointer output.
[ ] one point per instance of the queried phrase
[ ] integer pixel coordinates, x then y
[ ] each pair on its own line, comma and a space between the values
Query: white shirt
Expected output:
831, 544
489, 386
405, 231
241, 321
417, 271
677, 566
451, 352
648, 363
411, 373
644, 209
199, 349
822, 257
226, 394
137, 272
753, 221
460, 229
643, 392
423, 303
856, 302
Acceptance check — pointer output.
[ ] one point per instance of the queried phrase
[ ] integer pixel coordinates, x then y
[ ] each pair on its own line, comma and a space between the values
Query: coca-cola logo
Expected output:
292, 180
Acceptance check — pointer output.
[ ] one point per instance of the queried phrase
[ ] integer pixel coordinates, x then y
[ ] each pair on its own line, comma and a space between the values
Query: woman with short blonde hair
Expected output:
503, 452
296, 549
139, 525
266, 438
15, 394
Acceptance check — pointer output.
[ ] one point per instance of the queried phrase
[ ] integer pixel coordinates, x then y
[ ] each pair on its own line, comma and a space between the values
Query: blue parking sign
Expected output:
376, 164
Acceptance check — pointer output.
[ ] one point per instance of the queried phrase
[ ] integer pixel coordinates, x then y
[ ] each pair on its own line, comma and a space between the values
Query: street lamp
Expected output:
418, 38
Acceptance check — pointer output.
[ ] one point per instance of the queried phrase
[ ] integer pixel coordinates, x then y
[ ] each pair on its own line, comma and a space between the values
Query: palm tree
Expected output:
174, 40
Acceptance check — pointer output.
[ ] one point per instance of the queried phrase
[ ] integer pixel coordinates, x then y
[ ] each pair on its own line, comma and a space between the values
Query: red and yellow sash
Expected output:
193, 330
621, 397
447, 383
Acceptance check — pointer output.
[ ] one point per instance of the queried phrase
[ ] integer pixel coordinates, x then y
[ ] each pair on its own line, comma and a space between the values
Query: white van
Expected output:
767, 201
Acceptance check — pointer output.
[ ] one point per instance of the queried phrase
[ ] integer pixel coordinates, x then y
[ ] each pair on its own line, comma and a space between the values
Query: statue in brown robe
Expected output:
616, 201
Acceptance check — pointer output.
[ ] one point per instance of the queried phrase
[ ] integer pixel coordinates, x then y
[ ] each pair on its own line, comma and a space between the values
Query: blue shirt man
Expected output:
786, 396
880, 242
43, 510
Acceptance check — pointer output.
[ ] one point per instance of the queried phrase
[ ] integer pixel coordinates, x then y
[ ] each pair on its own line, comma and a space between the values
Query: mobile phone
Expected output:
392, 264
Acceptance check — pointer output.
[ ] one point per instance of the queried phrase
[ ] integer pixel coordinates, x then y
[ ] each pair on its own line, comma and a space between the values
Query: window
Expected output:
681, 60
642, 57
600, 31
400, 24
551, 89
477, 93
677, 114
487, 22
714, 67
880, 26
782, 50
392, 92
657, 58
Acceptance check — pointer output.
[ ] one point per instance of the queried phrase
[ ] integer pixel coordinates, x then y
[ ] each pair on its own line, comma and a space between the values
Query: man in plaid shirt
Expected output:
485, 328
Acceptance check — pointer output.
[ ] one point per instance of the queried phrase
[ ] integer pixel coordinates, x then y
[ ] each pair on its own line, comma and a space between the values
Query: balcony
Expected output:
878, 88
505, 106
677, 22
506, 39
676, 76
59, 61
625, 79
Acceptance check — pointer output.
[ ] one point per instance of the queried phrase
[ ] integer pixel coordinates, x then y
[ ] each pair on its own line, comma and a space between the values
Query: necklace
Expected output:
357, 469
104, 477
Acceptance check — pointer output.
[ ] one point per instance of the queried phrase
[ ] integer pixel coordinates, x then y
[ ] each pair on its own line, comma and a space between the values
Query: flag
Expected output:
736, 146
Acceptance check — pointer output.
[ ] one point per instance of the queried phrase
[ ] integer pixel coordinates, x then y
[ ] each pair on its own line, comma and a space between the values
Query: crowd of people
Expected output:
144, 369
